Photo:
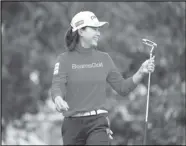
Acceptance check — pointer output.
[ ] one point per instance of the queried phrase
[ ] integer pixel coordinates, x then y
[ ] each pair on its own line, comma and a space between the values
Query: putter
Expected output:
152, 45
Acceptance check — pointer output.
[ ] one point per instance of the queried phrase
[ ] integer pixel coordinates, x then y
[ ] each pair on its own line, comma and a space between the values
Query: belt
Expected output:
91, 113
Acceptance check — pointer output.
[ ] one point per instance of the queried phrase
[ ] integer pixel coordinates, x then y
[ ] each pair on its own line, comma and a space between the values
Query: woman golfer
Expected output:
79, 81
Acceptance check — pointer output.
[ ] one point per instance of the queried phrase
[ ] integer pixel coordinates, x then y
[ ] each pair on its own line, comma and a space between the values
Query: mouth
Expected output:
96, 38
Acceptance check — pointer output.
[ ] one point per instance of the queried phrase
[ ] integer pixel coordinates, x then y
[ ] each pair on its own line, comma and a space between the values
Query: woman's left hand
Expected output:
147, 66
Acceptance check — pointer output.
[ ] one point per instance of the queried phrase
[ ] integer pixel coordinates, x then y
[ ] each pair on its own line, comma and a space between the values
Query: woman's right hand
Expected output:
60, 104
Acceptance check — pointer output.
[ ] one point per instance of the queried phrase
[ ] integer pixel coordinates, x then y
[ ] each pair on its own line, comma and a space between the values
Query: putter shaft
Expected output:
147, 105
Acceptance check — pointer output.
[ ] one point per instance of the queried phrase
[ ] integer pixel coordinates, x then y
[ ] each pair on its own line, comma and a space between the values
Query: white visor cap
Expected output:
85, 18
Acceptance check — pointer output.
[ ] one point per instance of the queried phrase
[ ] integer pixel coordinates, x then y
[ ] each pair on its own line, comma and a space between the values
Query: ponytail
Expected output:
71, 39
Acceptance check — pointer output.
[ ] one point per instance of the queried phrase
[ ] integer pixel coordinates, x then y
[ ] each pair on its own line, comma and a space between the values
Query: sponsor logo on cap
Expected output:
79, 23
93, 17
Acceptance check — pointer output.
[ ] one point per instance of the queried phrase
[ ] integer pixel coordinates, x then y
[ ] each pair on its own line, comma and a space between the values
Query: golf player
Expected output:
79, 81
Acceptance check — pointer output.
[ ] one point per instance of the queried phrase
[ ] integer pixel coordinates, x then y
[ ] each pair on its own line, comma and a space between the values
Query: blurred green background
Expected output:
32, 37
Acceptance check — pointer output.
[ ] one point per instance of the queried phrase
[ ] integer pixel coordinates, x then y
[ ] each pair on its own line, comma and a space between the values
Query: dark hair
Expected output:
72, 39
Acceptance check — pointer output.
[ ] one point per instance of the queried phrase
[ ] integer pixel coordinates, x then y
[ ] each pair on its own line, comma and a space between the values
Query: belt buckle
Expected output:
95, 112
87, 114
92, 113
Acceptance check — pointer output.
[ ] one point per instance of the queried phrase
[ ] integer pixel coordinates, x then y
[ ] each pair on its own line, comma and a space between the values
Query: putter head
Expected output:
149, 43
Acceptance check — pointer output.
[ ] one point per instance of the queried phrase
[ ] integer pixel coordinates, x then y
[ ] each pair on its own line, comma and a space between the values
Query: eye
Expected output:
95, 28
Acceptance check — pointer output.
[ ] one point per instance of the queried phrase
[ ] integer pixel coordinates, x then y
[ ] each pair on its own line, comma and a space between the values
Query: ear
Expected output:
80, 31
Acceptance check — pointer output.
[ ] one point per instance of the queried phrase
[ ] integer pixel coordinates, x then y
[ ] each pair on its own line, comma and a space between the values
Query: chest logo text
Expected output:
92, 65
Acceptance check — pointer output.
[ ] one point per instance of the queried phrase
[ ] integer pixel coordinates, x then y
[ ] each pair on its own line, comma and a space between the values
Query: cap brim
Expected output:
100, 24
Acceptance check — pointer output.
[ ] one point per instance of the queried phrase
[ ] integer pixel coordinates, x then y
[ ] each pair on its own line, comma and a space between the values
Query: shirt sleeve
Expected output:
59, 80
122, 86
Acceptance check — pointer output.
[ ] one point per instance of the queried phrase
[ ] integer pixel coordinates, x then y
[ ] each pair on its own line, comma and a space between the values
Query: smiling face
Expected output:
90, 36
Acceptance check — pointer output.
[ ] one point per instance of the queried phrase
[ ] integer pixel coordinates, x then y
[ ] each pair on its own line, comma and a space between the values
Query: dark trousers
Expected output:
89, 130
